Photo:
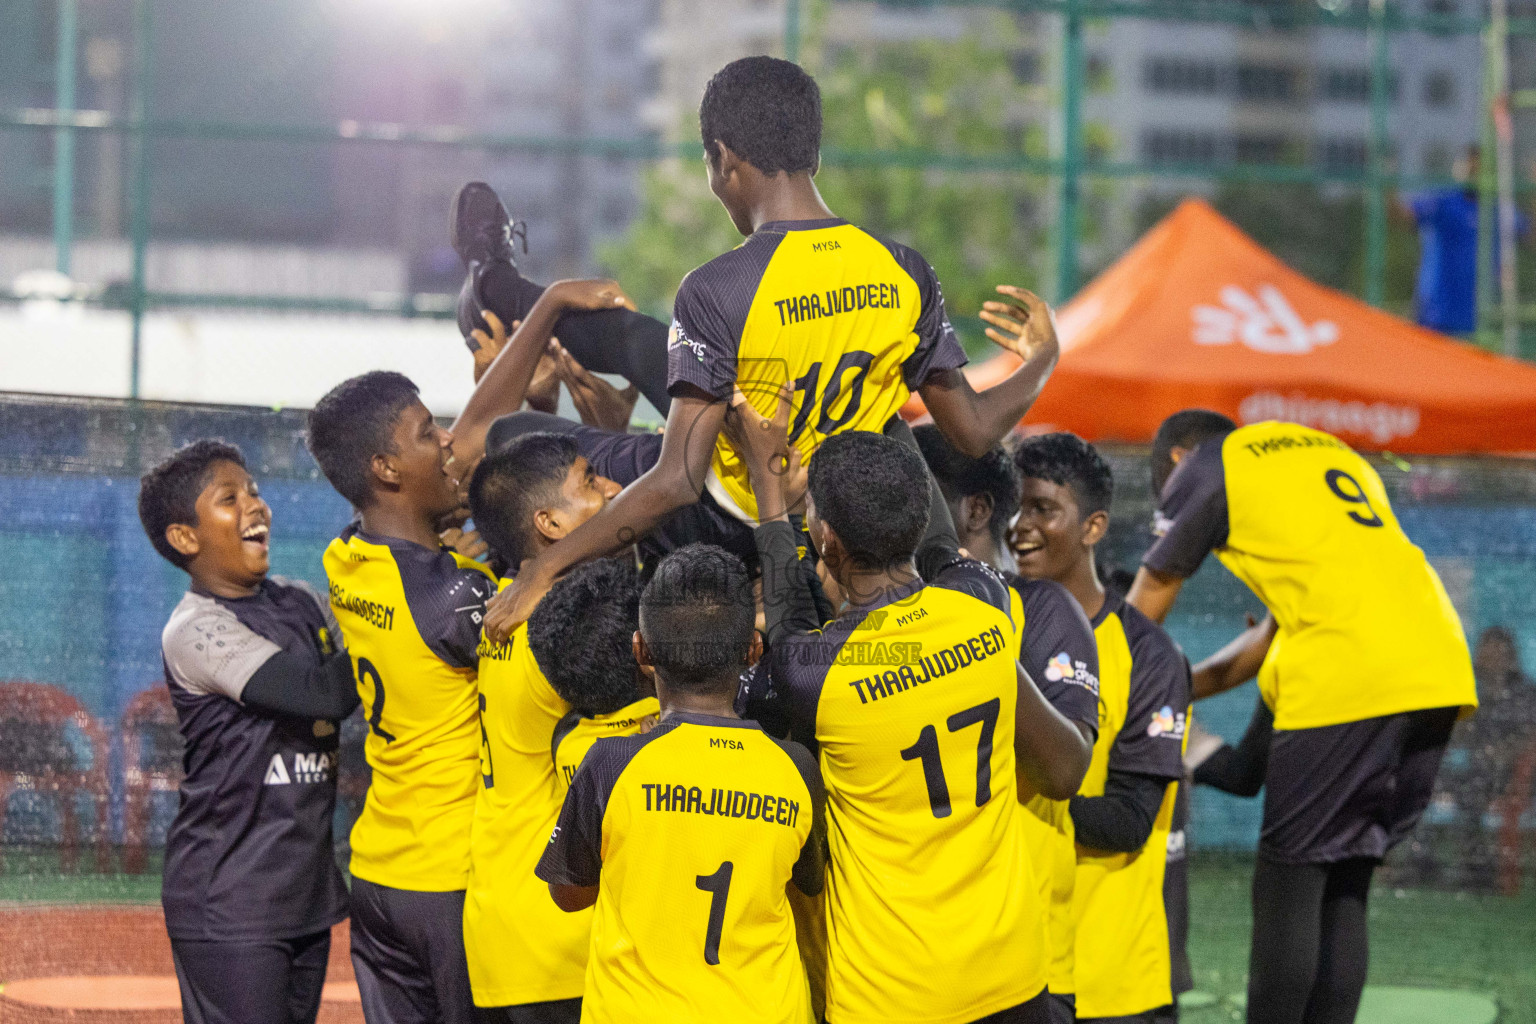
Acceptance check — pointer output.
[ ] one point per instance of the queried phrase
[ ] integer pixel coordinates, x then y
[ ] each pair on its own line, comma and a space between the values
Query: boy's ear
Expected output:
978, 511
548, 522
385, 470
642, 652
1095, 527
183, 538
755, 649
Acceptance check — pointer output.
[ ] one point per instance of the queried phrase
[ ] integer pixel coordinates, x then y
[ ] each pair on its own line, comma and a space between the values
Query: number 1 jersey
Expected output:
411, 617
854, 322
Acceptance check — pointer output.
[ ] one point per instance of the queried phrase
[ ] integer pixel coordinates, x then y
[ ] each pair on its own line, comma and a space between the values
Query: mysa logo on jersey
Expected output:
1166, 723
1263, 321
1063, 668
306, 768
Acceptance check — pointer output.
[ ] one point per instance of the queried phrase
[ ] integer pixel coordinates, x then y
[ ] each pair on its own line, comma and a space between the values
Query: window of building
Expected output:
1261, 148
1171, 146
1342, 154
1439, 89
1182, 76
1437, 160
1351, 84
1265, 83
1025, 65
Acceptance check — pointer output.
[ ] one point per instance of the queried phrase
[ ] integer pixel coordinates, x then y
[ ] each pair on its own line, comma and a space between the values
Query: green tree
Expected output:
973, 96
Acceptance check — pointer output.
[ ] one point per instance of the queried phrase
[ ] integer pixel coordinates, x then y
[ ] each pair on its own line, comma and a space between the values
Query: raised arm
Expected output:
502, 388
677, 479
975, 421
1237, 662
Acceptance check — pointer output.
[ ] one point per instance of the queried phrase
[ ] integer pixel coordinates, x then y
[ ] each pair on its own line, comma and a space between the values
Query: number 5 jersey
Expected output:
1365, 626
411, 616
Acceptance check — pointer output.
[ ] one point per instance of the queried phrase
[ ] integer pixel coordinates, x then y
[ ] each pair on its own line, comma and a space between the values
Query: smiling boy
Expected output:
251, 888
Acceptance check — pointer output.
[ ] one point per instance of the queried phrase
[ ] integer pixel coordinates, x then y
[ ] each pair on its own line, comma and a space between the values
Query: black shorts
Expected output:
1162, 1015
1352, 790
623, 458
408, 954
555, 1011
1035, 1011
278, 981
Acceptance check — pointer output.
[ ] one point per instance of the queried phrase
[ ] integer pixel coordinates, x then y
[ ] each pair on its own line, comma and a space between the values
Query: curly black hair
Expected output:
582, 636
1069, 461
697, 616
168, 493
960, 476
1184, 429
873, 491
352, 423
512, 484
767, 111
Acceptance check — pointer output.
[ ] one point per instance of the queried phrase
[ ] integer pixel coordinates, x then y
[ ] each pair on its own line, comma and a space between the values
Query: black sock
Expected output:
1287, 927
619, 341
1345, 949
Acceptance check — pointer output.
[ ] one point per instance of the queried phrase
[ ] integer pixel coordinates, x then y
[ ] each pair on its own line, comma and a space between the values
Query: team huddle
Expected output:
790, 712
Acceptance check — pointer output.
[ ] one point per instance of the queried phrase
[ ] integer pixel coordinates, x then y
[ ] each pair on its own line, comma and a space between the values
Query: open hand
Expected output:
598, 402
774, 466
591, 294
512, 607
543, 391
1024, 326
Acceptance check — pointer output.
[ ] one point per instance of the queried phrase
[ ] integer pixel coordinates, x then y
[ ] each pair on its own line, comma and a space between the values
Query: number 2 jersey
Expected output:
855, 322
1365, 626
933, 909
691, 832
411, 617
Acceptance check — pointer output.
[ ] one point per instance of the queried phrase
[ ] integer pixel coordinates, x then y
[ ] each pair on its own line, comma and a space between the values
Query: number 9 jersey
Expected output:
411, 617
1365, 626
854, 322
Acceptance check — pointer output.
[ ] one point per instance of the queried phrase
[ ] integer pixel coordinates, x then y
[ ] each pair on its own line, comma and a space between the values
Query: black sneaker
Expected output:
482, 234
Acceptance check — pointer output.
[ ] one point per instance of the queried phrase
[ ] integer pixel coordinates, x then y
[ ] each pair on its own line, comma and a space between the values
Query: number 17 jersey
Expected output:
933, 911
854, 322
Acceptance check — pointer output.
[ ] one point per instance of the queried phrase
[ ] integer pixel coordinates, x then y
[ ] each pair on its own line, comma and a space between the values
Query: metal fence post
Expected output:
792, 30
138, 114
1487, 196
64, 136
1071, 151
1376, 193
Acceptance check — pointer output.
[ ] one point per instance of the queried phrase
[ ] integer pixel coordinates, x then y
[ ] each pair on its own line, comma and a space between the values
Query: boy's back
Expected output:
856, 323
692, 832
934, 912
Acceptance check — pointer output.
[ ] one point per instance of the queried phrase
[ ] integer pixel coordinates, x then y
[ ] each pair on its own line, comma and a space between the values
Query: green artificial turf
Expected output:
1476, 943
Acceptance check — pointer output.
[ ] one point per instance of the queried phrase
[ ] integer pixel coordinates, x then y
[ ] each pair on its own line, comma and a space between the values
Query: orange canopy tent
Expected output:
1198, 314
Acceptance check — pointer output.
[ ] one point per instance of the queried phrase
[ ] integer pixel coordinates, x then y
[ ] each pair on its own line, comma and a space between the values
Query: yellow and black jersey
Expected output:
1365, 626
1062, 657
411, 617
577, 732
520, 946
691, 832
933, 911
1124, 958
856, 323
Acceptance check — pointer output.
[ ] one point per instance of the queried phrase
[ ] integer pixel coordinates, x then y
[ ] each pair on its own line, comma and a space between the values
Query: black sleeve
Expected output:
1060, 652
810, 871
290, 683
937, 346
574, 855
1121, 820
790, 586
1151, 742
709, 316
1240, 770
1191, 517
940, 545
447, 602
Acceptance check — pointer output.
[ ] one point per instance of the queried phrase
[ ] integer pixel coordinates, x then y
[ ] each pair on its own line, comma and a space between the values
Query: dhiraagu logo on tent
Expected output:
1263, 321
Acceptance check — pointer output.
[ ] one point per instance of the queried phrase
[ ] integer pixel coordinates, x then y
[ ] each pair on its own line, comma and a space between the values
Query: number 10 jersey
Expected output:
411, 617
854, 322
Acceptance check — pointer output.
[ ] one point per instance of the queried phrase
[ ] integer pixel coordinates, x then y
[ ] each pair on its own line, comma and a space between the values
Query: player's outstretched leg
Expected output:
1345, 945
620, 341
